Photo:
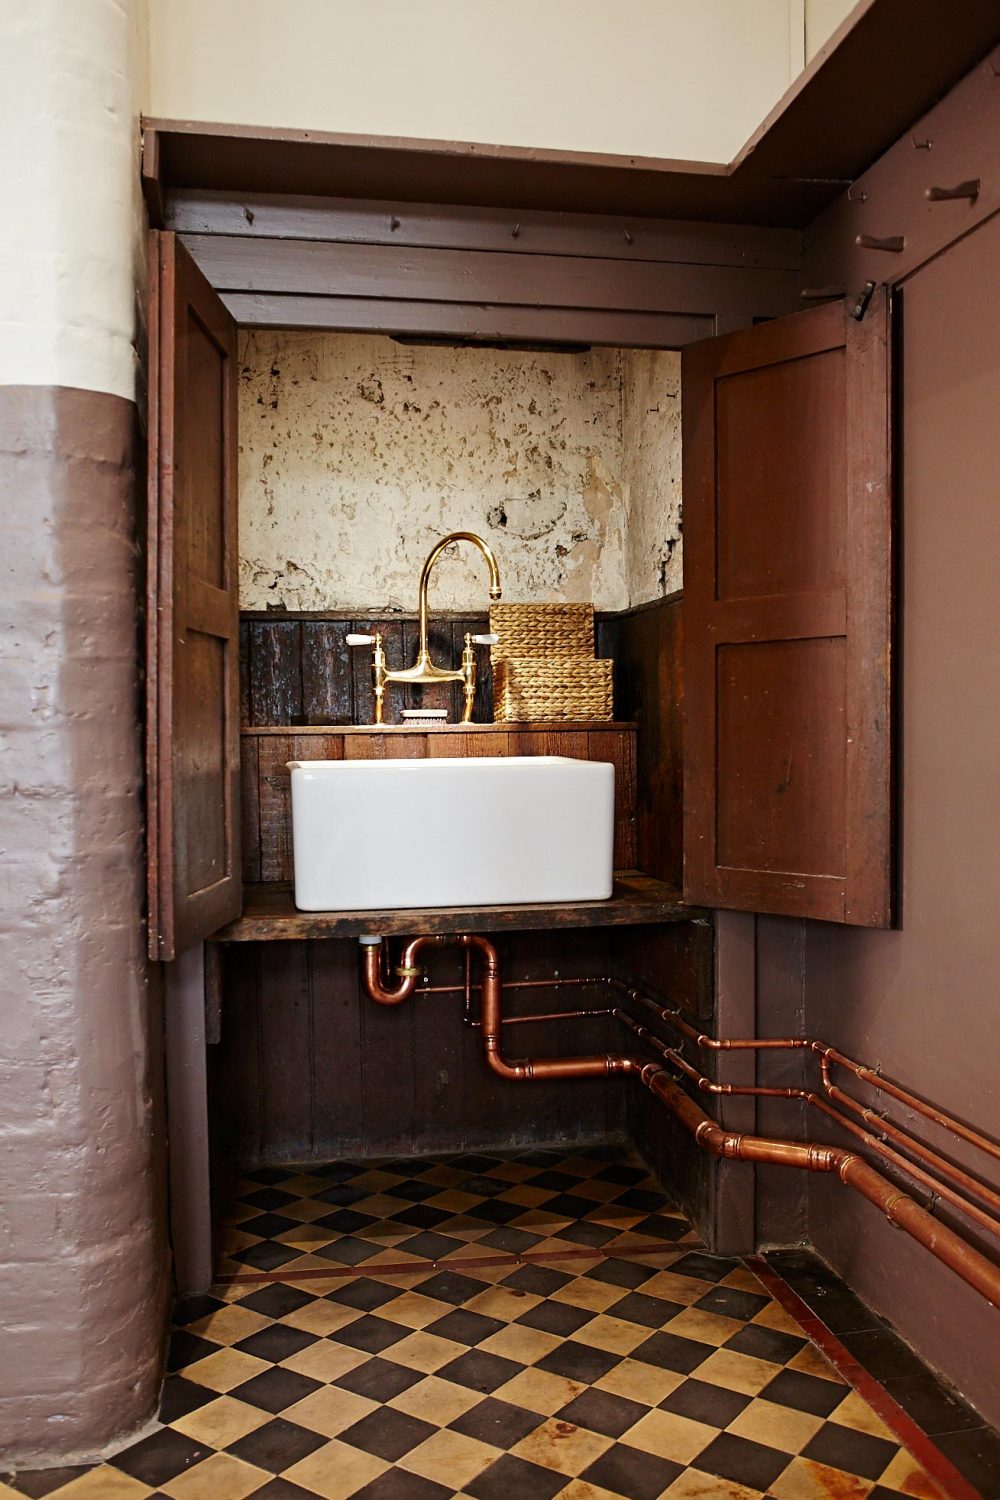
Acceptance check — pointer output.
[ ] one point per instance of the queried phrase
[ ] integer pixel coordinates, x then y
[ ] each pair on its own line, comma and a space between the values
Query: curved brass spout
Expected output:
424, 655
423, 669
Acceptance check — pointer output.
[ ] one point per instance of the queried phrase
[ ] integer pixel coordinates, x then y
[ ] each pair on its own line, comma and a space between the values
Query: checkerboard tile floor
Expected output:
525, 1327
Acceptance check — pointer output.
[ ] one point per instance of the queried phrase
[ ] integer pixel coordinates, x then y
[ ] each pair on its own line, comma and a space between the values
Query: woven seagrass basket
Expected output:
552, 688
542, 630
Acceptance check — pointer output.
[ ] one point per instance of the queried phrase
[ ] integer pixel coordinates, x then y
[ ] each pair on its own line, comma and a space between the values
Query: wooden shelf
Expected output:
269, 914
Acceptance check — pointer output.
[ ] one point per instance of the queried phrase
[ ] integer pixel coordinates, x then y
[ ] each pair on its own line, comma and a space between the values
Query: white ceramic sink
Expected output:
499, 830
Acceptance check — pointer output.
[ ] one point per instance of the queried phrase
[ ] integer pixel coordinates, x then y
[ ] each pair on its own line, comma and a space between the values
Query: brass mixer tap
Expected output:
424, 669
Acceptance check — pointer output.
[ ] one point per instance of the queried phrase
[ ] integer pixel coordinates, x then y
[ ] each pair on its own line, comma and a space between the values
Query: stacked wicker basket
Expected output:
544, 665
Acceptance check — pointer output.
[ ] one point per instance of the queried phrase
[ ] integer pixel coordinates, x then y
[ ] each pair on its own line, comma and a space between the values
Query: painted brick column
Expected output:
83, 1266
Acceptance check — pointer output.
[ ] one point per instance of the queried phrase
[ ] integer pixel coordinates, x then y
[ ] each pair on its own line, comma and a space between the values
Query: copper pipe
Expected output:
851, 1169
935, 1187
524, 1069
904, 1139
904, 1096
866, 1075
408, 970
519, 984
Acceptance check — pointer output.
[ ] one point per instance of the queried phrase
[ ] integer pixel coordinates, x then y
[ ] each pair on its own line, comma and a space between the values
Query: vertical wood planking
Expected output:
387, 1055
287, 1055
618, 748
275, 671
245, 708
238, 1071
327, 668
250, 807
274, 794
335, 1032
303, 670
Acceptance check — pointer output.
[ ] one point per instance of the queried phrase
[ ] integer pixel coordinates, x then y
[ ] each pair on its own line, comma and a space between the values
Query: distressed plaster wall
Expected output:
651, 442
357, 453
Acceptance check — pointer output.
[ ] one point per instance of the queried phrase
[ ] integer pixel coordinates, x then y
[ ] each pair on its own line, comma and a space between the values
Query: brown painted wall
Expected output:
922, 1001
83, 1268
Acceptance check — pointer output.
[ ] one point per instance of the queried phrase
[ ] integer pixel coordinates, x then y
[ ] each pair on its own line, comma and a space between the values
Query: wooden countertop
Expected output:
269, 914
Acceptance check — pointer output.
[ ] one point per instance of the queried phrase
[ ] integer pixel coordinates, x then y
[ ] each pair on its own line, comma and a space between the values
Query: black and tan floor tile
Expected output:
616, 1360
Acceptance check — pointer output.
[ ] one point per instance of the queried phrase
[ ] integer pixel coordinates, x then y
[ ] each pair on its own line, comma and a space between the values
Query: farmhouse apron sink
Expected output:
372, 835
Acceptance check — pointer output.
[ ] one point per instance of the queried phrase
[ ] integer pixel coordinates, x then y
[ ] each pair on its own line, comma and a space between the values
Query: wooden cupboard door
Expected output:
192, 608
788, 617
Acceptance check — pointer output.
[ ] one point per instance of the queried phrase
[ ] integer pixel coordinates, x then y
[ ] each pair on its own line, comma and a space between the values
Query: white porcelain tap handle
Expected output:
486, 640
360, 640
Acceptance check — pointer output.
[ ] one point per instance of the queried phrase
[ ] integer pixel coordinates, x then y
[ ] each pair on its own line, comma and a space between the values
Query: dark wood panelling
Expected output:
266, 782
299, 669
277, 216
676, 964
646, 646
478, 322
310, 1068
238, 263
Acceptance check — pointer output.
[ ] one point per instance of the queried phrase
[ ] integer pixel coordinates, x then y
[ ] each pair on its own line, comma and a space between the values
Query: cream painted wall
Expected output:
357, 454
671, 78
651, 452
72, 77
822, 17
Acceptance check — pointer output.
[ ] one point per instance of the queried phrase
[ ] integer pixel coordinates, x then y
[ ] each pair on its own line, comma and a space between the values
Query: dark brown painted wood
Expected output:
269, 914
891, 198
788, 597
236, 263
457, 227
646, 646
480, 323
192, 610
266, 782
844, 110
674, 962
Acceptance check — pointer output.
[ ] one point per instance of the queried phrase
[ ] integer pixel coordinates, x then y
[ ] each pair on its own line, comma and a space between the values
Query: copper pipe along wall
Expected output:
866, 1075
851, 1169
953, 1175
936, 1187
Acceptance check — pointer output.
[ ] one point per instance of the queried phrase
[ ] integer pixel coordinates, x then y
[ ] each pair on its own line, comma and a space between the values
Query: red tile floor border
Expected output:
403, 1268
924, 1450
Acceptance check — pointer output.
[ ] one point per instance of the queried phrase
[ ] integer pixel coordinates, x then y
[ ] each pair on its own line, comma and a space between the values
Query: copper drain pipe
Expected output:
898, 1207
597, 1065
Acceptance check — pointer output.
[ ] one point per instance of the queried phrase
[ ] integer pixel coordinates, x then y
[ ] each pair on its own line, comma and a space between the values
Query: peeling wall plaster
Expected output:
357, 454
651, 438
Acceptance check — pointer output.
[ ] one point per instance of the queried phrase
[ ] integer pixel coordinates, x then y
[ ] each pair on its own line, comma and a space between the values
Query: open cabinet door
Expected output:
788, 617
192, 621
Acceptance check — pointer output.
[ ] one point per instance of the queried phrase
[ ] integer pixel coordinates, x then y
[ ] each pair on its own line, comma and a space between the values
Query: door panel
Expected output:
193, 609
787, 604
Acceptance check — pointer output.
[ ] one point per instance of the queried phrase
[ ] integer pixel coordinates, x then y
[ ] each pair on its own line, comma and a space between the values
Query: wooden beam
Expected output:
485, 324
233, 263
457, 227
